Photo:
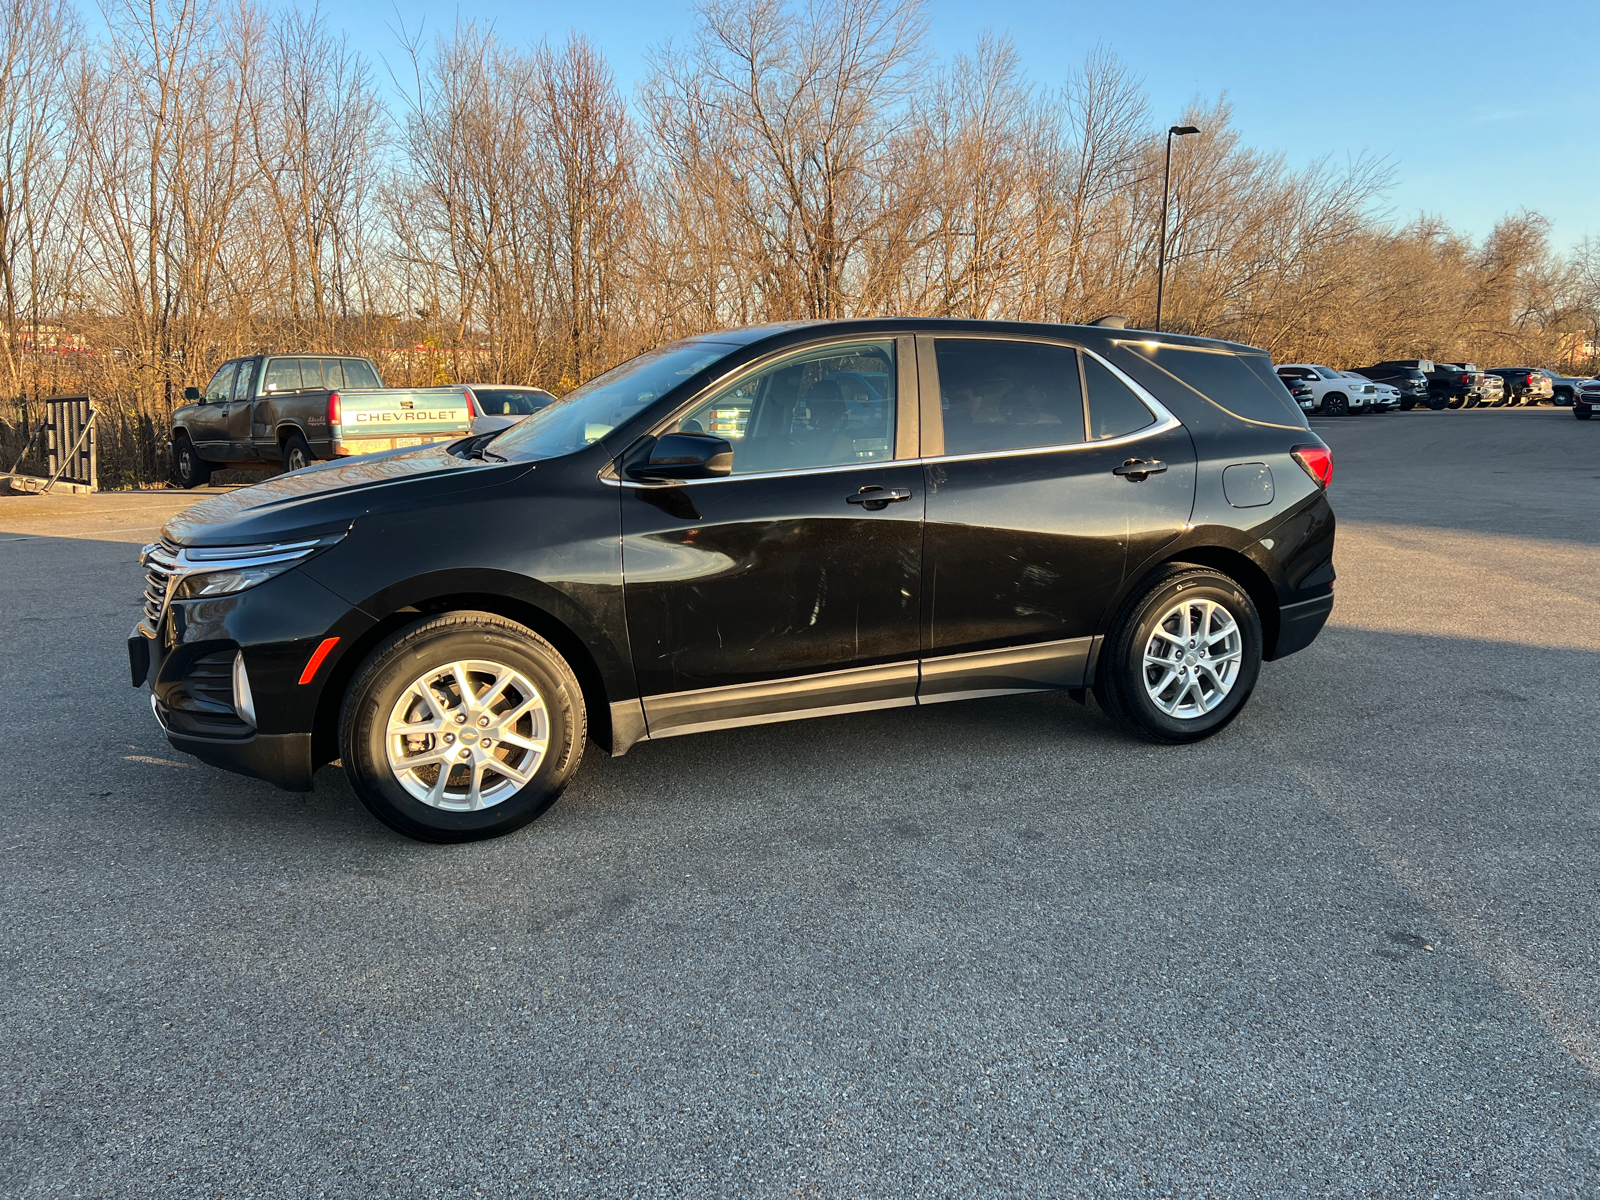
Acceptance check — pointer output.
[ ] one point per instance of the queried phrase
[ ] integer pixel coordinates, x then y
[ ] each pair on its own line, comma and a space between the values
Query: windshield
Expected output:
584, 416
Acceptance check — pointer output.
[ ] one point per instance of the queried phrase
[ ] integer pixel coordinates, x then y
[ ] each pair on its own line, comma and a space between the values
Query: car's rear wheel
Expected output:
192, 470
1513, 401
1438, 403
465, 727
1182, 658
296, 453
1335, 405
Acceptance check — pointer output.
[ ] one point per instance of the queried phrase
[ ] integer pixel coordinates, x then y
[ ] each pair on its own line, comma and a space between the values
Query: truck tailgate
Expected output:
390, 418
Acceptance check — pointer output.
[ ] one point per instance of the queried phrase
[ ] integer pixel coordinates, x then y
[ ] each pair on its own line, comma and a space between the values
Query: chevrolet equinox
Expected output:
755, 525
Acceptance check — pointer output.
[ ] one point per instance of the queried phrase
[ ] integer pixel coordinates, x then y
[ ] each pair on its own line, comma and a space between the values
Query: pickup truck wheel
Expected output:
1513, 401
1336, 405
1438, 403
467, 726
192, 470
1182, 658
296, 453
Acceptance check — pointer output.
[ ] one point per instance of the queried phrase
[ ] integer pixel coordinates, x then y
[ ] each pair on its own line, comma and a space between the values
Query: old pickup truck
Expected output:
270, 409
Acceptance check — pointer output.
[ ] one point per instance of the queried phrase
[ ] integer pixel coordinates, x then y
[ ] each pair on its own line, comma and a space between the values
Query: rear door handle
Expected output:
1136, 469
873, 497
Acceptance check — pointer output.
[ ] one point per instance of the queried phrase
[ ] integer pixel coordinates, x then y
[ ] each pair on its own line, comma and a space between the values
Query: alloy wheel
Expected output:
1192, 658
467, 735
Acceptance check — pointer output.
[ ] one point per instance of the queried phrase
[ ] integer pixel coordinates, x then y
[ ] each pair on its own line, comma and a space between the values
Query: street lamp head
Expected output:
1183, 130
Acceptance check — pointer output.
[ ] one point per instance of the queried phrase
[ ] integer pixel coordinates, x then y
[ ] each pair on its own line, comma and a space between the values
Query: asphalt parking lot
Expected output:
1351, 946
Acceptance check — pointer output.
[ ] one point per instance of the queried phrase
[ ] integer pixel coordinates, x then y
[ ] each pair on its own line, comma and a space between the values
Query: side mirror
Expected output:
686, 456
191, 393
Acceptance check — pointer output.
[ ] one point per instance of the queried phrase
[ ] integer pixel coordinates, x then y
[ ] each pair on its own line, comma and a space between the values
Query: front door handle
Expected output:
1137, 469
874, 498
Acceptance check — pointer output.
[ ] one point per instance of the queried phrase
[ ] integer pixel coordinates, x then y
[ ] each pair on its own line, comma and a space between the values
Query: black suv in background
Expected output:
904, 512
1406, 377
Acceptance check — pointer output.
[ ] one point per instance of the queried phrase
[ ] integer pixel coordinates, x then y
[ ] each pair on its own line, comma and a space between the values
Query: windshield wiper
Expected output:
478, 448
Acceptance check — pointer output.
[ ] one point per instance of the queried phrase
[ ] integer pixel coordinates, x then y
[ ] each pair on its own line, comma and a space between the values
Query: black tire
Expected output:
1561, 397
1471, 401
1120, 681
297, 453
1336, 405
1513, 401
1407, 405
400, 662
190, 470
1582, 416
1438, 403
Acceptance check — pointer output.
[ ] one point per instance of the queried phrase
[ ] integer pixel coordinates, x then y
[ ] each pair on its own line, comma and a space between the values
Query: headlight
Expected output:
222, 583
194, 573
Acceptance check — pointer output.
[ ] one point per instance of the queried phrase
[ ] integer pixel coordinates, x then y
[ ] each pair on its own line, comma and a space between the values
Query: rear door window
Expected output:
359, 374
310, 374
1113, 408
244, 382
999, 395
332, 373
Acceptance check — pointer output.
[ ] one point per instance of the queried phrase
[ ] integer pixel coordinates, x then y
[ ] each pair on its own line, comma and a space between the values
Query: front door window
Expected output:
220, 389
829, 406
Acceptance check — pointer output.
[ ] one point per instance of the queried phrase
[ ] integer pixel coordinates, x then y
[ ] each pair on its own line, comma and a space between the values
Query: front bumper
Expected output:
276, 626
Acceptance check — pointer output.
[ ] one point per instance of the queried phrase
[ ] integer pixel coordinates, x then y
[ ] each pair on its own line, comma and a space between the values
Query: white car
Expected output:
1385, 396
1335, 395
498, 406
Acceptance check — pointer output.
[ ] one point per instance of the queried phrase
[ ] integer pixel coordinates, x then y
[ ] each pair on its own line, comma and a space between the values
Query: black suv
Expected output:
1408, 377
898, 512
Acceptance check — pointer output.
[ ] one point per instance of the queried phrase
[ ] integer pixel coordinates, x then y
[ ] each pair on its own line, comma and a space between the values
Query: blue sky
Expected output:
1478, 104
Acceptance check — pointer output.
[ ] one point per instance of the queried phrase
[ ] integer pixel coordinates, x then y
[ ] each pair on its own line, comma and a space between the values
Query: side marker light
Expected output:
317, 656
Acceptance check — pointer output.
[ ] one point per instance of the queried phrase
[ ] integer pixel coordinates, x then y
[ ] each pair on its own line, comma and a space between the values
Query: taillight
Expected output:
1466, 379
1317, 462
472, 409
335, 416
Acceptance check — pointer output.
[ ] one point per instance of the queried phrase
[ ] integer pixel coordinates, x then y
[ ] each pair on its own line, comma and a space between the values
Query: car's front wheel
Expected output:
1182, 657
1335, 405
467, 726
1581, 413
192, 470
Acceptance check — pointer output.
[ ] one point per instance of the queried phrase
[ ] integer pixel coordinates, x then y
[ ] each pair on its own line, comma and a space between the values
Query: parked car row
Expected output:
1405, 383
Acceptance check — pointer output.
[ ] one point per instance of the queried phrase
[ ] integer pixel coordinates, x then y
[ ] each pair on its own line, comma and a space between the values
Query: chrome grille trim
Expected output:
166, 563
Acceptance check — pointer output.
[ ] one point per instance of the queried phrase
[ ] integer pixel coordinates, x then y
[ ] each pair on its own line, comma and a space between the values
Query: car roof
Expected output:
1085, 334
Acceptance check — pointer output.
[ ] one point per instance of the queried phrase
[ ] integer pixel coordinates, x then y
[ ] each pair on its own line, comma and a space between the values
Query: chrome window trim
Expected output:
1165, 422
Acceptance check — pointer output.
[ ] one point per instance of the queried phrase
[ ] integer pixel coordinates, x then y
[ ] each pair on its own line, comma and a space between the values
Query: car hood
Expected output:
330, 496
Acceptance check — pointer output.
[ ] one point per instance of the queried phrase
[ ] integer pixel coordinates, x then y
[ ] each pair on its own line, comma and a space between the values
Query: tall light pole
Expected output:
1166, 187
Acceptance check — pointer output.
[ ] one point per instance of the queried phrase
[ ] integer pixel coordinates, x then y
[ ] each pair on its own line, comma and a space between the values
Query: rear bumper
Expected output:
1299, 623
